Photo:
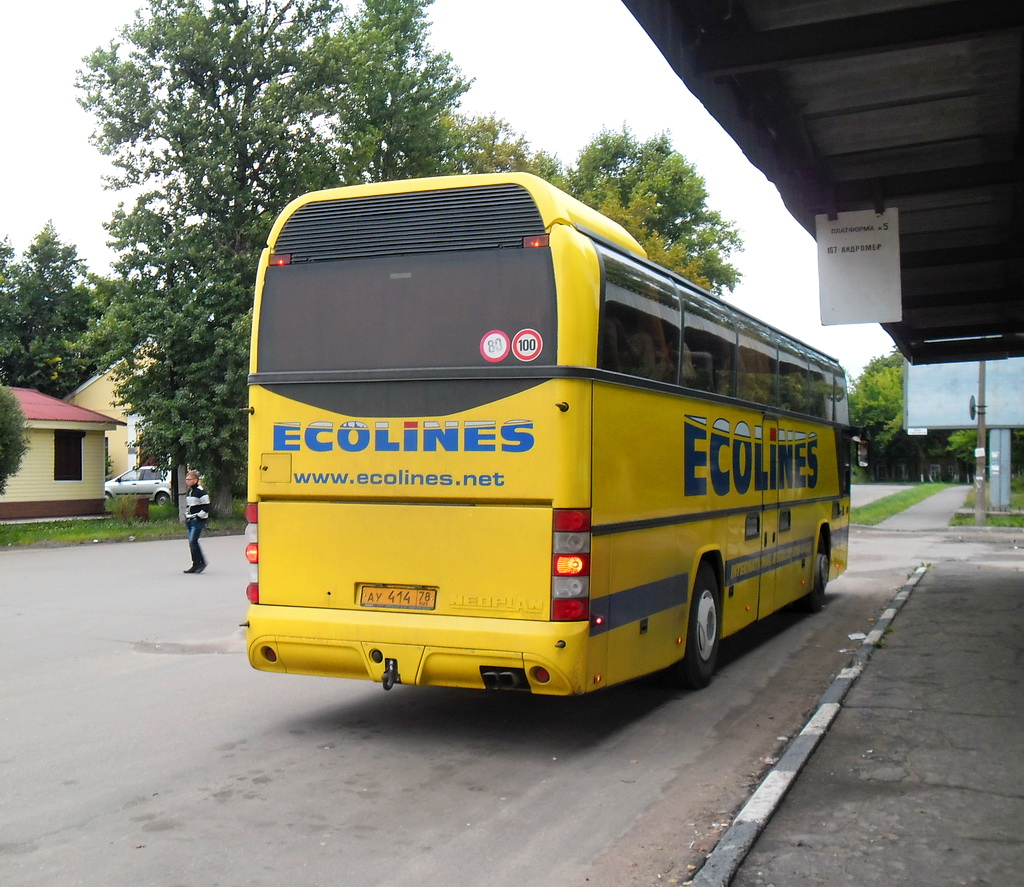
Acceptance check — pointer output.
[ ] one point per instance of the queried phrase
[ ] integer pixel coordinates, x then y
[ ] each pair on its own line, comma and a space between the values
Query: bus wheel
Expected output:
703, 632
814, 600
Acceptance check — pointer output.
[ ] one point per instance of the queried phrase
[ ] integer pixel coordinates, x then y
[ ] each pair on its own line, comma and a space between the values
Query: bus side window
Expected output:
820, 404
636, 343
757, 367
613, 343
708, 352
640, 320
698, 369
793, 393
839, 401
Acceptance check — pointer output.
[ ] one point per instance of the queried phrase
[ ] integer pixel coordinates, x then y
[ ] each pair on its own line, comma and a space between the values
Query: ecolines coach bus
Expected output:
492, 446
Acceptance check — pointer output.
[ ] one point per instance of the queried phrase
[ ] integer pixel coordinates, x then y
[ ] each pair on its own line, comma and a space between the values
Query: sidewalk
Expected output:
911, 771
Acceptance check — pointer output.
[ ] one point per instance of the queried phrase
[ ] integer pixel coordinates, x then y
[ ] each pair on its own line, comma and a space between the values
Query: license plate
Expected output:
398, 597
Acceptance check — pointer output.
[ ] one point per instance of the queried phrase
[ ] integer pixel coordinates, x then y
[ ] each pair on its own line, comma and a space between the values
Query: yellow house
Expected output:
98, 395
63, 470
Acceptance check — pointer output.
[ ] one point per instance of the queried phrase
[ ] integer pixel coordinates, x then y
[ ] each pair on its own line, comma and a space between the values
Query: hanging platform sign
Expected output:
859, 267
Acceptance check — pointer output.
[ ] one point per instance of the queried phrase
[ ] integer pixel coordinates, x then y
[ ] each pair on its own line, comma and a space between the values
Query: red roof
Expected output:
41, 407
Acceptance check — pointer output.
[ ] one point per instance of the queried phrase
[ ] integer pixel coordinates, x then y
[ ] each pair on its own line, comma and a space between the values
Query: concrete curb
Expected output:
731, 850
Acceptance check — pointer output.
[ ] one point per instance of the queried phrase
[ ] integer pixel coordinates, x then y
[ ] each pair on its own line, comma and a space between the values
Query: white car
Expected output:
149, 482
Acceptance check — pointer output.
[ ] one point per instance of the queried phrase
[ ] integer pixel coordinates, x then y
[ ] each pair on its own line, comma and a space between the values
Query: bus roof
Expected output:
555, 206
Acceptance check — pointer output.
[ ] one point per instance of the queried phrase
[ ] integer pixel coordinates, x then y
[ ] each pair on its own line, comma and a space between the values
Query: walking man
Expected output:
197, 512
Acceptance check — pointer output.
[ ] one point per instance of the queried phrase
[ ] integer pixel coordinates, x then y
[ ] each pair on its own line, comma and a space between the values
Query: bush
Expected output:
122, 507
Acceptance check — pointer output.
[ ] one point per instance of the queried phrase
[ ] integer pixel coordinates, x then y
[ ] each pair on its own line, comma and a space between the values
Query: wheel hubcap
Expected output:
707, 624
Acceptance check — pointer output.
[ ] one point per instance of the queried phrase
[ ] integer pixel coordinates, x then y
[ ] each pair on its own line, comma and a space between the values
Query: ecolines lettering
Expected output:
513, 436
736, 459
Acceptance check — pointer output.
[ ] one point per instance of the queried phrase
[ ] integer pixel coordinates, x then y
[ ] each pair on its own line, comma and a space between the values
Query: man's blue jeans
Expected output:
195, 528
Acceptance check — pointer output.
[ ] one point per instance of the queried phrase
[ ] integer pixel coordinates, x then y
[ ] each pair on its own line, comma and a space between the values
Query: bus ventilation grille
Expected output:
486, 217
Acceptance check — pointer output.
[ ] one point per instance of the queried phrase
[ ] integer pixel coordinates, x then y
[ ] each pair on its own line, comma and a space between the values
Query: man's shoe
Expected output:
199, 569
191, 570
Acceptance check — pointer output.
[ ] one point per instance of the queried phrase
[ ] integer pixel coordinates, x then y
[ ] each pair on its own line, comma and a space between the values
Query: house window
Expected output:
67, 455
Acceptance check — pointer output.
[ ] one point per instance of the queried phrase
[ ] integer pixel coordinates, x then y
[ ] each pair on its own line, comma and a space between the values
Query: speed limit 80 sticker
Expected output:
526, 345
494, 346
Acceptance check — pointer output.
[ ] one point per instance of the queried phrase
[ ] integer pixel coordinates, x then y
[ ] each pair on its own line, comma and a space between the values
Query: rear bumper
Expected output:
430, 650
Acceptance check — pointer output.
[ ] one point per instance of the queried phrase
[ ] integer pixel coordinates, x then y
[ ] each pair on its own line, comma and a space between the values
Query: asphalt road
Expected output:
138, 747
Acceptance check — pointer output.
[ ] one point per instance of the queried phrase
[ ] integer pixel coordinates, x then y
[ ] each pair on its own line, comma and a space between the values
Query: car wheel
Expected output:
162, 498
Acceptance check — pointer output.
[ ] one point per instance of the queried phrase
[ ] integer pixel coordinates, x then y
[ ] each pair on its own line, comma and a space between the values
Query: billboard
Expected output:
939, 395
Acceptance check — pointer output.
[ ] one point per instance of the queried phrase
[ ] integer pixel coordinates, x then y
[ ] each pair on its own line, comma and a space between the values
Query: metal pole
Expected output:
980, 493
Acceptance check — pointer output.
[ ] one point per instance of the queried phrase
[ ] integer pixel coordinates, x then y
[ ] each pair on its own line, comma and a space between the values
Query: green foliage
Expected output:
163, 523
489, 144
658, 196
394, 99
962, 444
876, 401
46, 308
217, 114
12, 437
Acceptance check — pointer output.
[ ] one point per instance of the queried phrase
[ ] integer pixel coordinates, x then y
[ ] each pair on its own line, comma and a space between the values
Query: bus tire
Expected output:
814, 600
703, 634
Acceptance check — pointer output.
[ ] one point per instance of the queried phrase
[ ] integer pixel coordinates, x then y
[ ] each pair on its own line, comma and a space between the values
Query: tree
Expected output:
393, 104
217, 113
12, 437
876, 408
658, 196
489, 144
47, 307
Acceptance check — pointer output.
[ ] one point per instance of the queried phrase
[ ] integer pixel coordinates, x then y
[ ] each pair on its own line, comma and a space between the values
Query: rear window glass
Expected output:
403, 312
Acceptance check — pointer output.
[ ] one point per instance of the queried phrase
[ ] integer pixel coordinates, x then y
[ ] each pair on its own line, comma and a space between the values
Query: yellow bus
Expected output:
493, 446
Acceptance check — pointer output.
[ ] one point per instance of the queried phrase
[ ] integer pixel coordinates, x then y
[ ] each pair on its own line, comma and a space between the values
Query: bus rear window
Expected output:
407, 312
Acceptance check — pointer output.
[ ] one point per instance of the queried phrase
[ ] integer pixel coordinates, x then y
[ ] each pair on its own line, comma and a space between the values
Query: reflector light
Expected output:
571, 565
572, 521
570, 609
252, 591
252, 511
541, 675
536, 240
281, 259
252, 553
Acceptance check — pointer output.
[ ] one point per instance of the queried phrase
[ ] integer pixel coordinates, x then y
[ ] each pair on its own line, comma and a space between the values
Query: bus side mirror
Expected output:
862, 450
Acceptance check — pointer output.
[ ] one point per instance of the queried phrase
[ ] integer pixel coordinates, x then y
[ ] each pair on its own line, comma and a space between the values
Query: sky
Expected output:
557, 72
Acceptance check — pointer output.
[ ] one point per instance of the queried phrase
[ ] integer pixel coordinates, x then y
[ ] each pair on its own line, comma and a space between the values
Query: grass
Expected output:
119, 525
877, 511
1012, 518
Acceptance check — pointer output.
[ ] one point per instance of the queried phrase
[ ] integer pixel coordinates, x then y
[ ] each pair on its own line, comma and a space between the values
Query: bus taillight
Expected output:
570, 565
252, 551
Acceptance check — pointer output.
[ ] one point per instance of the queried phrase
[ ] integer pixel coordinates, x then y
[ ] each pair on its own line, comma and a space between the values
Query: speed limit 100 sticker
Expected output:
494, 346
527, 344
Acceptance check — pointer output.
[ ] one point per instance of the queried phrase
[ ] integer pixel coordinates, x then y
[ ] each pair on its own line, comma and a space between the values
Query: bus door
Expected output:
768, 482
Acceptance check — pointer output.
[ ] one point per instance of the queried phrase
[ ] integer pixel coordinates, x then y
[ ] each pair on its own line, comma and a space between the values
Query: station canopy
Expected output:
867, 104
